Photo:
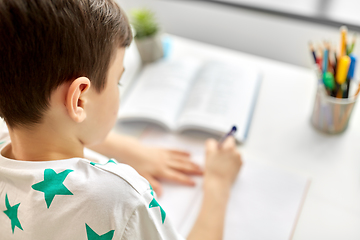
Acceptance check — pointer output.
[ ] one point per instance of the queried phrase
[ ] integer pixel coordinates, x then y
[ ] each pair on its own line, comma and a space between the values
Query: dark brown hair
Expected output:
44, 43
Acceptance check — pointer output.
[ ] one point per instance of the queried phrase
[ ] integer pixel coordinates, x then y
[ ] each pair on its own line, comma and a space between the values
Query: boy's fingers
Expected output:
179, 178
180, 158
177, 152
183, 159
185, 166
182, 162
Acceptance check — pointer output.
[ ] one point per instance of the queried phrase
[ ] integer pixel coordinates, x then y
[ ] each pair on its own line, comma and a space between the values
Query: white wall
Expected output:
257, 33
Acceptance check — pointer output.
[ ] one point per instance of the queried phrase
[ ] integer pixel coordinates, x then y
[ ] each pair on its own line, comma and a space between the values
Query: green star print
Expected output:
154, 203
12, 213
92, 235
53, 185
152, 190
110, 161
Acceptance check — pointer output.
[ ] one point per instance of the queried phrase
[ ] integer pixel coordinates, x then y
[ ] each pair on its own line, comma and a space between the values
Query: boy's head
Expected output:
45, 44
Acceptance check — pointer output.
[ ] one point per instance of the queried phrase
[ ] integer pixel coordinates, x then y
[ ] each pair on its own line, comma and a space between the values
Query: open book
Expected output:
189, 94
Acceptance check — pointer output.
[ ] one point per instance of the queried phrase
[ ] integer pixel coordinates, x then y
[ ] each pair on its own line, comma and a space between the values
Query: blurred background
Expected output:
275, 29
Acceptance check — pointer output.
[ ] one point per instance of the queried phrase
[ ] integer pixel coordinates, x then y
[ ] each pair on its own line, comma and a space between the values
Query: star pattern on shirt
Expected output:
53, 185
92, 235
154, 203
152, 190
12, 213
110, 161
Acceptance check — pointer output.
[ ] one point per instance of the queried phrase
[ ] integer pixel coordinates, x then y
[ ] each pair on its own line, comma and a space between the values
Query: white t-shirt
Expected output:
77, 199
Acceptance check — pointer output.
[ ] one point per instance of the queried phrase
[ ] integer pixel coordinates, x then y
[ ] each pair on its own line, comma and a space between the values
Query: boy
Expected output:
60, 64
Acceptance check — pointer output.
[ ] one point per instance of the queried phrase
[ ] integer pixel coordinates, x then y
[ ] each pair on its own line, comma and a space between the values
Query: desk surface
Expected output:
281, 135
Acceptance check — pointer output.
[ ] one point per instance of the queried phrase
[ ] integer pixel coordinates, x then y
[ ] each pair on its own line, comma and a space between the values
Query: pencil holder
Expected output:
331, 115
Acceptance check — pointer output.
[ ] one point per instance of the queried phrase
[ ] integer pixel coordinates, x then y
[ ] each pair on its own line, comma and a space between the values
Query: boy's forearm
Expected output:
116, 146
210, 222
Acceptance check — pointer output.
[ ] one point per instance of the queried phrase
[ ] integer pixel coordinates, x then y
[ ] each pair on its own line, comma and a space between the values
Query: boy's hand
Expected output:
152, 163
222, 163
221, 168
156, 164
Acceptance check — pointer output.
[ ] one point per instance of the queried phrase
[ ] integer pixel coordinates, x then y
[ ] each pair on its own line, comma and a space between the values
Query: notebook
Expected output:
189, 94
265, 201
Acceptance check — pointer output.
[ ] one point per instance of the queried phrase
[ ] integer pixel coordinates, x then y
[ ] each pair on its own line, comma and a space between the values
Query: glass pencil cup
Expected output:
331, 115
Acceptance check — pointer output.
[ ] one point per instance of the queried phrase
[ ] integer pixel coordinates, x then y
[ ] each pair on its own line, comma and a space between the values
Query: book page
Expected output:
222, 96
265, 201
160, 91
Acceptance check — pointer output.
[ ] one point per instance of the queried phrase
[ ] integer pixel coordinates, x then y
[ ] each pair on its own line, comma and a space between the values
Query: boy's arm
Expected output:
221, 168
210, 221
151, 163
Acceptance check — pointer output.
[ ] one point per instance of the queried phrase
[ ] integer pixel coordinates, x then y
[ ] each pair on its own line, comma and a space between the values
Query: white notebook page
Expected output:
265, 201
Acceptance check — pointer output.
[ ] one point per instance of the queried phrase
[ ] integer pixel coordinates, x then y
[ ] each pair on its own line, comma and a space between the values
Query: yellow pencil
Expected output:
343, 30
342, 69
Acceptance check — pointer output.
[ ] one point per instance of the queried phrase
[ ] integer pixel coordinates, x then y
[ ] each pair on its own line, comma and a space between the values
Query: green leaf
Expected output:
144, 23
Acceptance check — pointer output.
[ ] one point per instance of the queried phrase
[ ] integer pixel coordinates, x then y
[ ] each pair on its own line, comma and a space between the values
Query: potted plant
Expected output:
147, 36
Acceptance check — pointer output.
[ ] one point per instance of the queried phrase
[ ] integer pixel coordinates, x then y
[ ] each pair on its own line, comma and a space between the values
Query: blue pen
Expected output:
231, 133
350, 75
352, 67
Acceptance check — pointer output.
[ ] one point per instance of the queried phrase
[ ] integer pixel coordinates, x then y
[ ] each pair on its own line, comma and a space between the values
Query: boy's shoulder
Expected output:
112, 172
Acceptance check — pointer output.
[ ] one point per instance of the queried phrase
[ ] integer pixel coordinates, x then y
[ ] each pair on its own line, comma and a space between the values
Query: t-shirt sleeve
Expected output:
149, 221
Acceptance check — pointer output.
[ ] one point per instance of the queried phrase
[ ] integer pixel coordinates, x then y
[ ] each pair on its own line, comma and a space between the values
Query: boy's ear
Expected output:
75, 101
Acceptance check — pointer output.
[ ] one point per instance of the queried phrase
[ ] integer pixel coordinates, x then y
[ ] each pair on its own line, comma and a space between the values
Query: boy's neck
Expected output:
41, 145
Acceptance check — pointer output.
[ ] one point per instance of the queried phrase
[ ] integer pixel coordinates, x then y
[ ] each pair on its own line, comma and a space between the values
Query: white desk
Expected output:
281, 135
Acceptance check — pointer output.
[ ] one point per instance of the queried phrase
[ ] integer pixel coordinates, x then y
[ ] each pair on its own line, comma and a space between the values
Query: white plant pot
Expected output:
150, 48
